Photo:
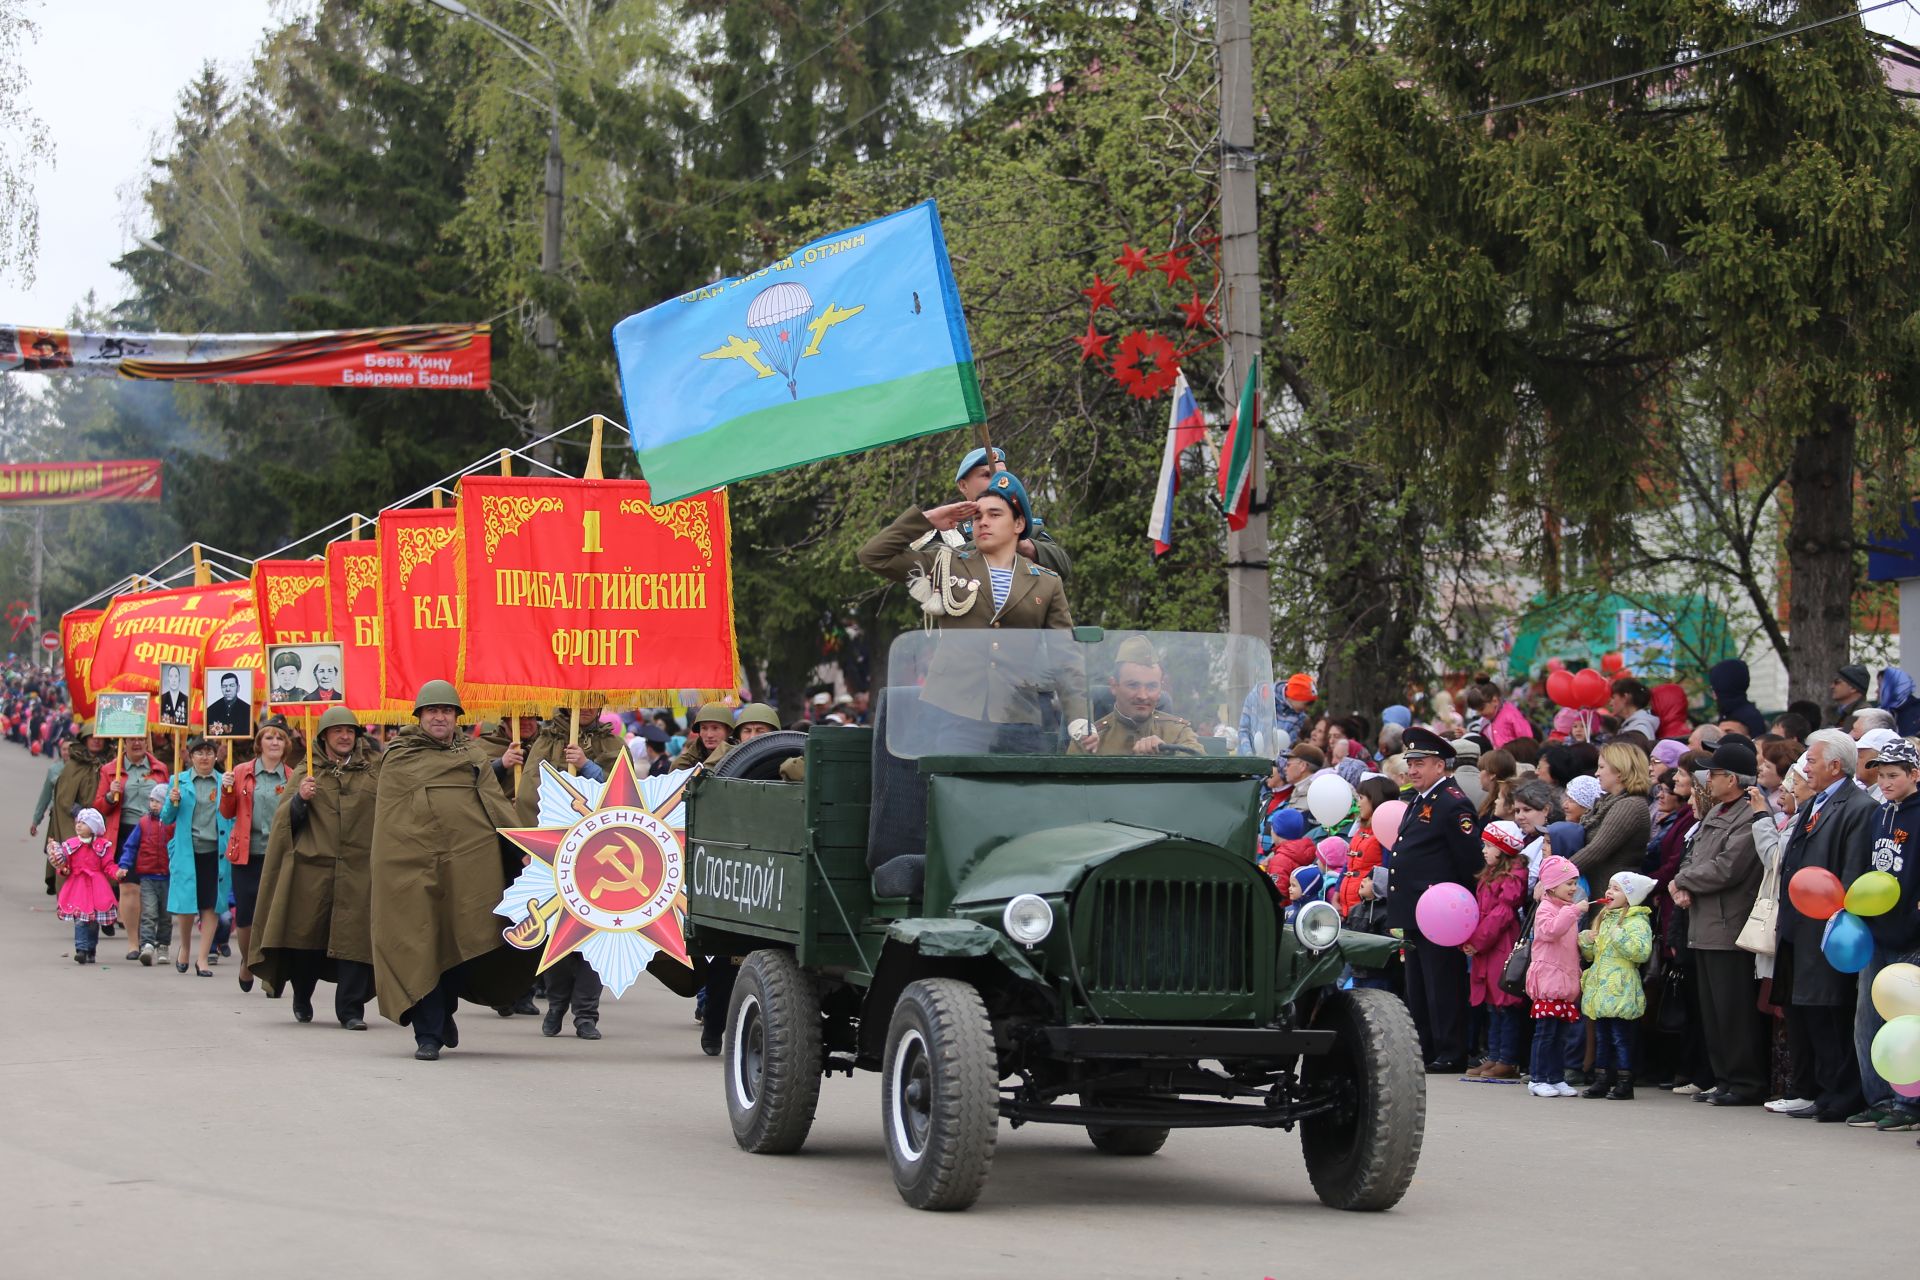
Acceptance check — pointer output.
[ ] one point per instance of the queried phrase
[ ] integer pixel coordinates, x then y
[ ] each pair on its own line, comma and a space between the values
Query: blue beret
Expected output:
1287, 824
1007, 485
974, 458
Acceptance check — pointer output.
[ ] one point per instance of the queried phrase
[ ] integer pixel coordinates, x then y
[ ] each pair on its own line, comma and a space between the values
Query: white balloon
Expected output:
1329, 799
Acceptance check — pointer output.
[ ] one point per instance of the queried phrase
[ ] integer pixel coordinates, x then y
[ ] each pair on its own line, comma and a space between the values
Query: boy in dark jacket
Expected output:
143, 852
1896, 933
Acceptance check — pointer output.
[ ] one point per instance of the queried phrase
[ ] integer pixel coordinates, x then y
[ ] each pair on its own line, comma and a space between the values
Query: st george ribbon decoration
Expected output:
413, 357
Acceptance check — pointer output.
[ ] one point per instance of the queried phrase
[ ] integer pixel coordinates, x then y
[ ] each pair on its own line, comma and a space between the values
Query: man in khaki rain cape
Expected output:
572, 982
439, 868
313, 922
74, 789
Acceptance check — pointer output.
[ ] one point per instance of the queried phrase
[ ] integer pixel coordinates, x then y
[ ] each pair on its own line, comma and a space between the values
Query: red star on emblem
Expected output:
567, 931
1093, 343
1100, 293
1132, 259
1197, 312
1175, 266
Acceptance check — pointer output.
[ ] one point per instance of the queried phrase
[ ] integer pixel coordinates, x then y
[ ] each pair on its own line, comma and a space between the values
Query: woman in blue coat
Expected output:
197, 877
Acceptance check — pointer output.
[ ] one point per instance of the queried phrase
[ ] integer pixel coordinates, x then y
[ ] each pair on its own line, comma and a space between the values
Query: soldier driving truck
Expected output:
1009, 916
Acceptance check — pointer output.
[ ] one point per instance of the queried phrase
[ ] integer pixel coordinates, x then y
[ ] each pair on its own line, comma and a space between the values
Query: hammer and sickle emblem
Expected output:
629, 872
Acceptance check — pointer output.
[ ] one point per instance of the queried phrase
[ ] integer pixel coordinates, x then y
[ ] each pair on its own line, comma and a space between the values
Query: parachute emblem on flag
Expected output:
778, 318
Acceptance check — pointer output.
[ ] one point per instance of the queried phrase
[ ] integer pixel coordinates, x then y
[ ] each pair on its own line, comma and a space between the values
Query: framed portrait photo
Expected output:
229, 702
305, 674
176, 695
121, 715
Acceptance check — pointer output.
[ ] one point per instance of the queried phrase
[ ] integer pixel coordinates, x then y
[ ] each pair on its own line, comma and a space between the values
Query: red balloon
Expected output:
1816, 893
1590, 689
1613, 664
1556, 664
1560, 687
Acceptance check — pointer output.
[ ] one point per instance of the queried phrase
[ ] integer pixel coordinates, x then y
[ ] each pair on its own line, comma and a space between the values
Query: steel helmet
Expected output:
759, 713
437, 693
718, 712
341, 718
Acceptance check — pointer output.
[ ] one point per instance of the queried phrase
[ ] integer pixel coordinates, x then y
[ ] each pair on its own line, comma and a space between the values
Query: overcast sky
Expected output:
106, 74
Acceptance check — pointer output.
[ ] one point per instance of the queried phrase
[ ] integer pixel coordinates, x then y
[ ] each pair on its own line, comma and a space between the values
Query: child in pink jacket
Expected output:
1500, 889
1553, 976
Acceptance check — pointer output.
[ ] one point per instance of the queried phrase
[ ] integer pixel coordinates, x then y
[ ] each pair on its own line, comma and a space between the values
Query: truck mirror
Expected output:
1090, 635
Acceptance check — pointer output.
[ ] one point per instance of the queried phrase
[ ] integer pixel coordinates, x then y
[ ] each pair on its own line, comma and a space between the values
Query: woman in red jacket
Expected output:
252, 796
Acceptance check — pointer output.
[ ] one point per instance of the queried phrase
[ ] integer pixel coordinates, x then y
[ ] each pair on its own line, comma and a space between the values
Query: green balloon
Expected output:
1896, 1050
1873, 894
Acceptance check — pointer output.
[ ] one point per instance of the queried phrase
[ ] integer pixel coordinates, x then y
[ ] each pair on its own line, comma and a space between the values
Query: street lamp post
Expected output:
546, 335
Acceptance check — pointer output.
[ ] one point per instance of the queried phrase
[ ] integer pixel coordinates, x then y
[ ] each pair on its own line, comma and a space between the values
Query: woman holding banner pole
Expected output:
251, 796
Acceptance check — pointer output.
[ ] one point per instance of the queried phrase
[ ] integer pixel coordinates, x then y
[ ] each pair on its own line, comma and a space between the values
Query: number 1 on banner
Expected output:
590, 533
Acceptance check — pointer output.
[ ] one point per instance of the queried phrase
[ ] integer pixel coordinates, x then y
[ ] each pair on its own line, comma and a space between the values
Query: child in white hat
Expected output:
1611, 993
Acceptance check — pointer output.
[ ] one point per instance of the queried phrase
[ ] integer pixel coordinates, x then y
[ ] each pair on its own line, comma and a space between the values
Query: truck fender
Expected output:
935, 948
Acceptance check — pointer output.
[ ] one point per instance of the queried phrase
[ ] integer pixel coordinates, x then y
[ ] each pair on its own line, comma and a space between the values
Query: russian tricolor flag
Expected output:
1185, 428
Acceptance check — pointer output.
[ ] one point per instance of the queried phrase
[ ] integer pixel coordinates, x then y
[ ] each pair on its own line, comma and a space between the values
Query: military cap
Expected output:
975, 458
1007, 485
758, 713
200, 741
717, 712
285, 659
1419, 742
84, 728
436, 693
1138, 650
653, 735
338, 718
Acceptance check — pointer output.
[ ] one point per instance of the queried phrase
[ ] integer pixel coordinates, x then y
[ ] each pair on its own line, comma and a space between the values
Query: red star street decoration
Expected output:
1100, 294
1175, 266
1196, 311
1145, 384
1093, 343
617, 871
1133, 260
1145, 363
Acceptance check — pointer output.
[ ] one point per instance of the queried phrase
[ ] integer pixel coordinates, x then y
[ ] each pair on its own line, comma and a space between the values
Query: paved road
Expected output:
155, 1123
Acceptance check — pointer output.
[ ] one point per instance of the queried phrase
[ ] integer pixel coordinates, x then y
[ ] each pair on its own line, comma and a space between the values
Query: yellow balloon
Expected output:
1873, 894
1896, 991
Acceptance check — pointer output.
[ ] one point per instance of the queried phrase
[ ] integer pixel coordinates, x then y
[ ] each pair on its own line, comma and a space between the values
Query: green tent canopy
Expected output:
1658, 635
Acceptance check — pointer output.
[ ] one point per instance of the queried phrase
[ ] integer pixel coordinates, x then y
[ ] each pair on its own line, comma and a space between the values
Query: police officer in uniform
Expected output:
1136, 726
1439, 843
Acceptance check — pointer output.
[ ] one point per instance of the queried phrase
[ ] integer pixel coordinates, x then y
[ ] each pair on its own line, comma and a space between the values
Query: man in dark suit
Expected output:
229, 715
1439, 843
174, 703
1835, 830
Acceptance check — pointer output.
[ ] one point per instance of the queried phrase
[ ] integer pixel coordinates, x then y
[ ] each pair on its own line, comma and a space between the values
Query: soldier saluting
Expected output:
1136, 726
1439, 843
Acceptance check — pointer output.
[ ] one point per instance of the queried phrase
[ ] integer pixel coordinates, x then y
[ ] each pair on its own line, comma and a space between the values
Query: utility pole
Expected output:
546, 333
1249, 583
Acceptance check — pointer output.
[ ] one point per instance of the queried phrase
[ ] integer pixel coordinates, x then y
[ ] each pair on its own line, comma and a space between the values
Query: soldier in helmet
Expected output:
708, 740
1136, 726
755, 719
572, 983
311, 923
439, 867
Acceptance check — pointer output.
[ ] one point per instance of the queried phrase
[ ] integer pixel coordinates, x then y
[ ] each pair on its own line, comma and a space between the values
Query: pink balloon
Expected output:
1386, 822
1333, 852
1447, 914
1907, 1090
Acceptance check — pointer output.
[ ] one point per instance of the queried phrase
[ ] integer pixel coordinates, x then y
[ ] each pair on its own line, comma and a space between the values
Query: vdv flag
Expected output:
853, 341
1185, 428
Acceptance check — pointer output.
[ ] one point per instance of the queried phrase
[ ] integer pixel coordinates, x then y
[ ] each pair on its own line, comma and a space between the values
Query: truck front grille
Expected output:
1171, 937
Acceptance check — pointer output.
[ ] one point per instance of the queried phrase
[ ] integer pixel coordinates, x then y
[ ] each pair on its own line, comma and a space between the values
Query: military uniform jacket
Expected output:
695, 752
1117, 734
999, 683
601, 744
316, 877
1439, 843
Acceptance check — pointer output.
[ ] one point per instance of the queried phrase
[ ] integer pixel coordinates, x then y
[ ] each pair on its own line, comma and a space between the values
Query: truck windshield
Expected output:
1163, 694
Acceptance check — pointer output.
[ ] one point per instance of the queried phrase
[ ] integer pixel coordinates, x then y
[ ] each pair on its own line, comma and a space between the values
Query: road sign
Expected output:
50, 641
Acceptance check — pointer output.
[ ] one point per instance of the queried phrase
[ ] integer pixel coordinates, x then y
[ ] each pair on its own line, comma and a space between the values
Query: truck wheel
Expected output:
1362, 1154
1126, 1141
772, 1054
940, 1094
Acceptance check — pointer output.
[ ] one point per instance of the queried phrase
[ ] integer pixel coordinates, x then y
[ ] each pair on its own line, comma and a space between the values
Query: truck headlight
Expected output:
1317, 925
1028, 919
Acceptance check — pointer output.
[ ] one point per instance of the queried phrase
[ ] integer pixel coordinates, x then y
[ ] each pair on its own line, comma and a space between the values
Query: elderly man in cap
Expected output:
1849, 693
1439, 843
1136, 726
975, 474
439, 866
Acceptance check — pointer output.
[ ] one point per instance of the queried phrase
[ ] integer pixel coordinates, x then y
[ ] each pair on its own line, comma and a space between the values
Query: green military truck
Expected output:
1008, 924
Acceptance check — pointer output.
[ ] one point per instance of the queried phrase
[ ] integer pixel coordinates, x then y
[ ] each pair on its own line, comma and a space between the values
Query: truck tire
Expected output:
939, 1094
759, 758
1126, 1140
1362, 1154
772, 1054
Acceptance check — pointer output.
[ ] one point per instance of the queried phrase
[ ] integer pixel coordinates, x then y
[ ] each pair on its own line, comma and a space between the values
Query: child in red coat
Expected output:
1500, 887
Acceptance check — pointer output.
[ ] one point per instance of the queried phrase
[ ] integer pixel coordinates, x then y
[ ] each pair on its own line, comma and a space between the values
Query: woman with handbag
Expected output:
1716, 885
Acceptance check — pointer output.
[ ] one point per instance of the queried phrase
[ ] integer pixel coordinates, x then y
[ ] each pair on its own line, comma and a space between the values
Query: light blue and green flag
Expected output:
853, 341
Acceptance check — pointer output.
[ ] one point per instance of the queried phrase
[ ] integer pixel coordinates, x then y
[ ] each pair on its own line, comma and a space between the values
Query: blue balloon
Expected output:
1849, 943
1586, 893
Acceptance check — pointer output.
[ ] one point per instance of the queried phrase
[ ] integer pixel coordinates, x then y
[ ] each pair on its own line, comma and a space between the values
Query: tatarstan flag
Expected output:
1236, 455
853, 341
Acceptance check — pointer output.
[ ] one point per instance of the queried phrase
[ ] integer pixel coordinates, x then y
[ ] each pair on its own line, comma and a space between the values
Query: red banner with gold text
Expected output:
353, 616
583, 585
143, 630
420, 612
57, 484
79, 634
290, 600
